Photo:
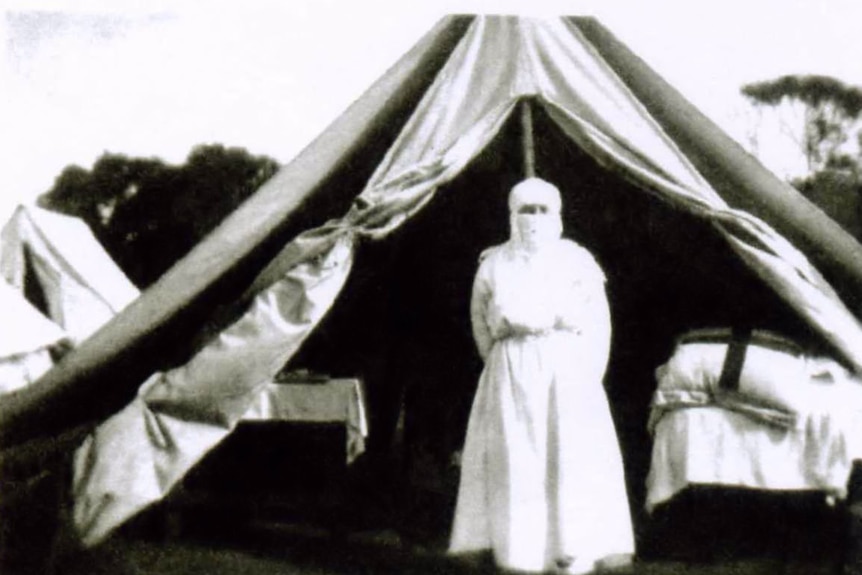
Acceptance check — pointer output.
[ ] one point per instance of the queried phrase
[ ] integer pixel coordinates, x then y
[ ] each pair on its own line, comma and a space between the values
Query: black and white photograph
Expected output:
456, 287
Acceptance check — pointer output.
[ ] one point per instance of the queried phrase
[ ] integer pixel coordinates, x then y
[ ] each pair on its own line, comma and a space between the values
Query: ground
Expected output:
273, 550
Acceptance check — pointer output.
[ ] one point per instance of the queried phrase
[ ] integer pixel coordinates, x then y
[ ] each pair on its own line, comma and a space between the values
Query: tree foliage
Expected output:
148, 214
812, 90
832, 110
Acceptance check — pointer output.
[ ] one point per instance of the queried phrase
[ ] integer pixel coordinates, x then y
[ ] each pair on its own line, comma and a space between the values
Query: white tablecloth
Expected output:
337, 400
714, 446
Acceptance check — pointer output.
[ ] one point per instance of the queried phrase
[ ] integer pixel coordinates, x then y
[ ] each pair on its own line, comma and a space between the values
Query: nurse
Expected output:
542, 483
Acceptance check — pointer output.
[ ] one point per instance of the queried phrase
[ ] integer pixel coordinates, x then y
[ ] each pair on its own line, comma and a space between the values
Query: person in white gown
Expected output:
542, 483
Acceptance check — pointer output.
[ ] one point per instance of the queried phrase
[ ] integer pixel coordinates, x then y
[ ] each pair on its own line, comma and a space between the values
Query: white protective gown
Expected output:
542, 476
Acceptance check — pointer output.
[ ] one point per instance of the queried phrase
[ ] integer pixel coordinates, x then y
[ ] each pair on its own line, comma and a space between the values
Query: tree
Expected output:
149, 214
831, 112
829, 137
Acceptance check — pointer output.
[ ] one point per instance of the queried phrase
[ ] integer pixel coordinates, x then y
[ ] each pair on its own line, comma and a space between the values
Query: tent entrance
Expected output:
402, 321
33, 290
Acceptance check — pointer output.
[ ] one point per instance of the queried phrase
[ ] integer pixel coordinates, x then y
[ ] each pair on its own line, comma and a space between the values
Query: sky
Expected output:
156, 78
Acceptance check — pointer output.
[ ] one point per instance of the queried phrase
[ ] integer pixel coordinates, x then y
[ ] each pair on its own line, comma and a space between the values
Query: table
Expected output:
288, 459
332, 401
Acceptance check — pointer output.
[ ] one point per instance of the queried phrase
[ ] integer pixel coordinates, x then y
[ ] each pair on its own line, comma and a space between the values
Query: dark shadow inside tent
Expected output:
402, 322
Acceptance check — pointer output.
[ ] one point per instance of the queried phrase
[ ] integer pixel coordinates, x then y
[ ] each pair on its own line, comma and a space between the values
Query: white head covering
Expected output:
531, 231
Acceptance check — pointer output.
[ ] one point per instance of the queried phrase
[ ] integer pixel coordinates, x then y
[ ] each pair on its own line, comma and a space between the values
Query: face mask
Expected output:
534, 226
535, 219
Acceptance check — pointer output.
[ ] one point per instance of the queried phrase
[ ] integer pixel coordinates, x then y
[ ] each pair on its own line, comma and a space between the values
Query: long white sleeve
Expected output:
478, 314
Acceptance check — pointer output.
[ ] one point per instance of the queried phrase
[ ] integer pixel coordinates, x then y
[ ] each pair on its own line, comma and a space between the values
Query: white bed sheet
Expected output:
713, 446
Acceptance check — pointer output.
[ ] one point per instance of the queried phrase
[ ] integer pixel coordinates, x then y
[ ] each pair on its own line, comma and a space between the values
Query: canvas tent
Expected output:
25, 341
57, 262
398, 197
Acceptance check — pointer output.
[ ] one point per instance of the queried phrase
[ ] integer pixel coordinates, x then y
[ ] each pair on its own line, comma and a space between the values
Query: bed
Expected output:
754, 444
752, 411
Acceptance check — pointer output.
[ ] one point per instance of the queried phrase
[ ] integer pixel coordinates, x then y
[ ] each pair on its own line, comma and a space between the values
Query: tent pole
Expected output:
527, 139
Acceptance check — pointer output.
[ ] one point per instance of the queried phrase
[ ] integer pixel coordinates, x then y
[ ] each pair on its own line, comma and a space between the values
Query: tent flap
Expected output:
139, 454
735, 174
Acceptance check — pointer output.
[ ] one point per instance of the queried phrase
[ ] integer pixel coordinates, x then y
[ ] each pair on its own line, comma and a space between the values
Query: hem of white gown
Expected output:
481, 559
